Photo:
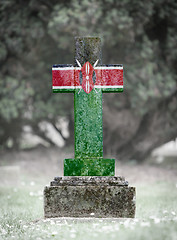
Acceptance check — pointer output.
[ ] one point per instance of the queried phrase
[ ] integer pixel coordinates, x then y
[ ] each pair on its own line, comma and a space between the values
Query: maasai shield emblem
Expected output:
87, 74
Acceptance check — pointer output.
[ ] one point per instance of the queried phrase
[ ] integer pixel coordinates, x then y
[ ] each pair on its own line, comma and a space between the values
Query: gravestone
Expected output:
88, 187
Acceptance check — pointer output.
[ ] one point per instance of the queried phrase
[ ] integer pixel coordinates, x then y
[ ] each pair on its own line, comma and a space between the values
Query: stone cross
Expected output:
88, 79
88, 187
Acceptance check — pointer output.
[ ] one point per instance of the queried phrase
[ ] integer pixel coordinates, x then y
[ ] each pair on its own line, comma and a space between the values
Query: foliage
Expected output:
36, 34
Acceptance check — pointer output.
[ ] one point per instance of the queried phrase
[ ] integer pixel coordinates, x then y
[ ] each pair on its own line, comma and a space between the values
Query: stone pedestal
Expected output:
89, 196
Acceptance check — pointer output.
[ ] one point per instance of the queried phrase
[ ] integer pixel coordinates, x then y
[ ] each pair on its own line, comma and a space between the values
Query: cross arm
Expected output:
109, 78
65, 78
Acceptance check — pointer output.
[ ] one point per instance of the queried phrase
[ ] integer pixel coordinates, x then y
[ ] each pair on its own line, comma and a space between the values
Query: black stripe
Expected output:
111, 65
103, 65
62, 65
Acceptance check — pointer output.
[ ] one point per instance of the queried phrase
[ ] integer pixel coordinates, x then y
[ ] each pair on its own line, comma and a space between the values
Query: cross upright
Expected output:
88, 79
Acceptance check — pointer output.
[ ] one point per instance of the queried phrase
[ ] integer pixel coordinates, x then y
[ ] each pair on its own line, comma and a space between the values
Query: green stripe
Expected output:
104, 90
63, 90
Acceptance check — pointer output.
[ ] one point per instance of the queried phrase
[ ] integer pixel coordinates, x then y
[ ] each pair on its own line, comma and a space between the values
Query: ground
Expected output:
24, 174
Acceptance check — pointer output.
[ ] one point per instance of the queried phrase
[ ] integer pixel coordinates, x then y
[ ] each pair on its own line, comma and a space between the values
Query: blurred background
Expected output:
37, 126
141, 35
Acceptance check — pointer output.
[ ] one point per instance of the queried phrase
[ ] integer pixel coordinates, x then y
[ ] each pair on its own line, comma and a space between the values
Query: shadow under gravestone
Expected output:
88, 187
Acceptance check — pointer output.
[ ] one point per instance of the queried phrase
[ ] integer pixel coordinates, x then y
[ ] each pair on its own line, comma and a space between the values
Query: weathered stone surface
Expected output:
89, 197
89, 180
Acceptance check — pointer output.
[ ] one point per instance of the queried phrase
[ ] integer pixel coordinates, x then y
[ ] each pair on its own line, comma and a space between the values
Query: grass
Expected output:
21, 216
21, 203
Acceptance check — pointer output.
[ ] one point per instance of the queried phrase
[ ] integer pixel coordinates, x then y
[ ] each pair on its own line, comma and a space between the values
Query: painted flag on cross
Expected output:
67, 78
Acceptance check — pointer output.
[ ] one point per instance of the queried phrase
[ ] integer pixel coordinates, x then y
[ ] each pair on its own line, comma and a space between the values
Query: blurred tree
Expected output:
141, 35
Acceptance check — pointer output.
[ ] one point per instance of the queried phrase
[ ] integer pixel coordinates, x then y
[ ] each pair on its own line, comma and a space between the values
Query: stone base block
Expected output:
101, 197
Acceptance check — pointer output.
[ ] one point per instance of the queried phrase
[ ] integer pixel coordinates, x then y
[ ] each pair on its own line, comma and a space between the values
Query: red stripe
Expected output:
109, 77
76, 79
63, 77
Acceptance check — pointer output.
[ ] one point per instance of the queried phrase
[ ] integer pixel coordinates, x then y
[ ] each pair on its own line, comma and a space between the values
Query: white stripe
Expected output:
66, 87
108, 68
112, 86
78, 87
66, 68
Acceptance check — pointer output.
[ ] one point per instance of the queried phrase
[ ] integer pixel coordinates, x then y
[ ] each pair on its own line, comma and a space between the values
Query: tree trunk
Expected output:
156, 127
